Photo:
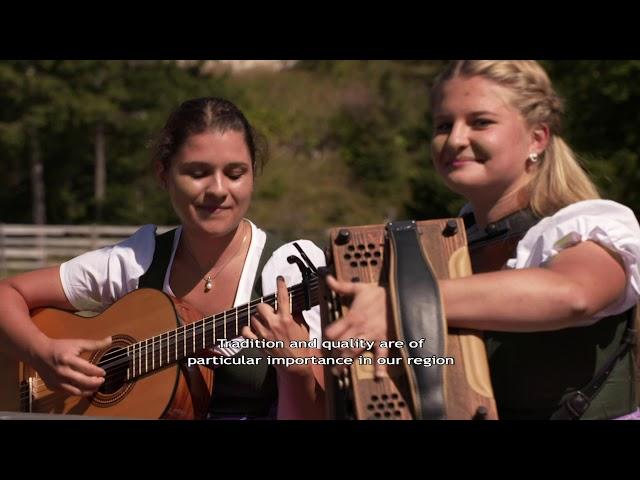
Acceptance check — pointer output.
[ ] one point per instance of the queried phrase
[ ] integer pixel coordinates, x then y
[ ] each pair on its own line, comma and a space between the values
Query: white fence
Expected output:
27, 247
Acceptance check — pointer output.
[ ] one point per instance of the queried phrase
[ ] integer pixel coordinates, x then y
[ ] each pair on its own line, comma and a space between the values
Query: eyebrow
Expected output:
476, 113
483, 112
237, 165
201, 163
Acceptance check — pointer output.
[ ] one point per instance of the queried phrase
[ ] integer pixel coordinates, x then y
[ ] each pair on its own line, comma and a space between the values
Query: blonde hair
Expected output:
559, 179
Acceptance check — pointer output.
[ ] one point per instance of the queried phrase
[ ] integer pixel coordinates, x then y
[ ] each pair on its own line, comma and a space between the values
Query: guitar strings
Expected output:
218, 320
122, 364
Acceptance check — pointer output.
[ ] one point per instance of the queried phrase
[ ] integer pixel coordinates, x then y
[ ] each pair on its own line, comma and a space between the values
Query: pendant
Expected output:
207, 284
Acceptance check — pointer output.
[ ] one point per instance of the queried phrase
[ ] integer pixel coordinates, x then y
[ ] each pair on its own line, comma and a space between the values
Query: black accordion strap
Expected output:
418, 313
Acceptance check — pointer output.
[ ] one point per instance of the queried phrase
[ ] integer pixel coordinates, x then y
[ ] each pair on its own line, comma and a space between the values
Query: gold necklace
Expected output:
208, 280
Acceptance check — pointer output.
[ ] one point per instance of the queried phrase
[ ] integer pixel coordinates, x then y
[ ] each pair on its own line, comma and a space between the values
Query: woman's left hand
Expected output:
280, 325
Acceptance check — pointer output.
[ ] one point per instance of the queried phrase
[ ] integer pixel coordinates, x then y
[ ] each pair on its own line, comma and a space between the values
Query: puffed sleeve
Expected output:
608, 223
96, 279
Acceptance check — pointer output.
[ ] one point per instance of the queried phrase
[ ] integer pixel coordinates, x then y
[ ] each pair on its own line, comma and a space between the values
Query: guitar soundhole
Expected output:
115, 380
116, 363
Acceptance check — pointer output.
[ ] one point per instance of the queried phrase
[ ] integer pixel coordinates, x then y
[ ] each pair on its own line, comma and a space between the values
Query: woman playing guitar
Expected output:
206, 158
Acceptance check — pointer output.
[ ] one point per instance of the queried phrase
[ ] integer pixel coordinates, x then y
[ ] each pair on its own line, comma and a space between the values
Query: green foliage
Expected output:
65, 100
349, 140
602, 99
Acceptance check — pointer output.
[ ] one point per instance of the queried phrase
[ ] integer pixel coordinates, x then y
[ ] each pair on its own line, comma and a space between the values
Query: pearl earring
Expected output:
533, 157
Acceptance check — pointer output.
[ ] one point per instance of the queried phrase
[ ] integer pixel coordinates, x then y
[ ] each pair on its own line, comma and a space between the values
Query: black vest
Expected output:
541, 375
239, 390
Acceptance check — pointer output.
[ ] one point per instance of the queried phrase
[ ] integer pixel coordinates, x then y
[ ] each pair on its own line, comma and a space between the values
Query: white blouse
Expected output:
96, 279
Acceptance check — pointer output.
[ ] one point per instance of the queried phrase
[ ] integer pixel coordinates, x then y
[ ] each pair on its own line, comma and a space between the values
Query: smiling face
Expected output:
480, 143
210, 181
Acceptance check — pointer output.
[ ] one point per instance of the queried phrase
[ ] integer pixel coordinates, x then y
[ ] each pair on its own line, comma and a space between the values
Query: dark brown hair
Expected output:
200, 115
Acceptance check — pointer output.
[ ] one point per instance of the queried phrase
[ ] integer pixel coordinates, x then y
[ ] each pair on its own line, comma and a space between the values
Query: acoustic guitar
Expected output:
147, 376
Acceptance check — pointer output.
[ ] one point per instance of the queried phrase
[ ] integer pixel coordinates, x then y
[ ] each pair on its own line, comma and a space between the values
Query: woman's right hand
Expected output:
63, 369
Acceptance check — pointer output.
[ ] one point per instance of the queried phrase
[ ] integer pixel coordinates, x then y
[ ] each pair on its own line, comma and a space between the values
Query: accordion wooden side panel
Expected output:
357, 254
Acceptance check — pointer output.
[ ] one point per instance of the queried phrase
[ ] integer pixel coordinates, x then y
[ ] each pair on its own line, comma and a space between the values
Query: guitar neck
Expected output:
165, 349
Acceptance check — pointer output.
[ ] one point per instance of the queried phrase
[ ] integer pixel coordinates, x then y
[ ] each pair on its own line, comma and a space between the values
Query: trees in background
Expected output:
73, 137
348, 139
